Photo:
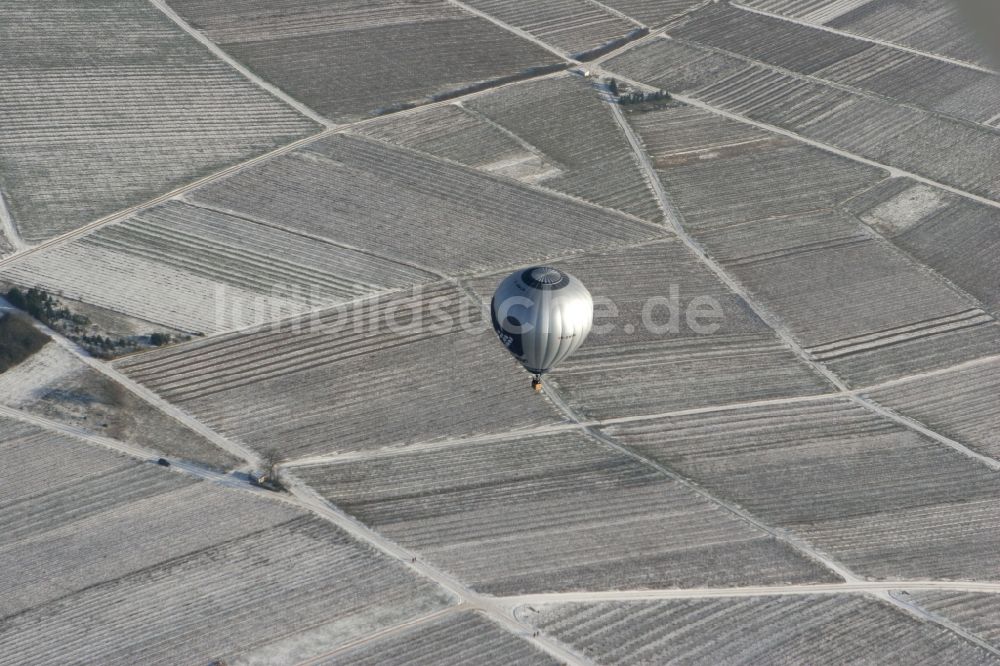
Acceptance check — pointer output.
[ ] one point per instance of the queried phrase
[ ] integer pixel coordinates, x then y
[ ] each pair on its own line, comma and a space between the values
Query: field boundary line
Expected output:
780, 534
319, 239
895, 172
922, 613
534, 186
862, 38
225, 172
537, 152
674, 218
8, 228
918, 611
304, 497
790, 539
166, 196
842, 207
873, 232
394, 450
666, 238
523, 34
917, 426
140, 454
653, 34
146, 395
404, 449
80, 433
229, 446
851, 89
217, 51
908, 379
472, 600
509, 180
620, 14
751, 591
388, 631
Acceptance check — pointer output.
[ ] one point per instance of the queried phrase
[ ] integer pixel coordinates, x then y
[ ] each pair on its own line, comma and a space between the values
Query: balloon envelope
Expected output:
542, 315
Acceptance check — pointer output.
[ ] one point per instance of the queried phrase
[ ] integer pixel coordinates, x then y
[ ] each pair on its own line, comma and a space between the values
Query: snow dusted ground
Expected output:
811, 481
26, 382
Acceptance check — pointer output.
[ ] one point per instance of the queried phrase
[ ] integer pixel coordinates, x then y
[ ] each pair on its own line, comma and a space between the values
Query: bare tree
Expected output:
271, 458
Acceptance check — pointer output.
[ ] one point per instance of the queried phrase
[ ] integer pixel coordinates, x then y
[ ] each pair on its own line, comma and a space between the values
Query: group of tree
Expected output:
271, 477
47, 309
42, 306
640, 97
19, 339
626, 96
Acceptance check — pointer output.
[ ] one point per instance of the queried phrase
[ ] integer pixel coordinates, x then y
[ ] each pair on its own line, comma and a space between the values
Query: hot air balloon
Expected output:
542, 315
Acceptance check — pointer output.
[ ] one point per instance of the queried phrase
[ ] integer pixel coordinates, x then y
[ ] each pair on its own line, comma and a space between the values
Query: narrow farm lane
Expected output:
705, 592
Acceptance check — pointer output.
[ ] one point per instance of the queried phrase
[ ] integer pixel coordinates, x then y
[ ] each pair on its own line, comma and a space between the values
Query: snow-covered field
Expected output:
554, 512
778, 445
110, 559
109, 104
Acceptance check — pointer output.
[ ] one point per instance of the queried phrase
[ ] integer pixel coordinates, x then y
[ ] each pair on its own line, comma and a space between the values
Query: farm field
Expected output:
49, 552
930, 27
654, 355
55, 385
956, 237
349, 60
411, 208
720, 172
204, 271
674, 66
652, 13
849, 298
934, 146
815, 629
963, 404
573, 26
555, 512
949, 542
260, 240
853, 307
98, 547
577, 133
816, 12
454, 639
904, 76
809, 462
791, 46
452, 132
978, 613
926, 26
883, 500
575, 147
47, 461
944, 87
109, 104
333, 591
350, 378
